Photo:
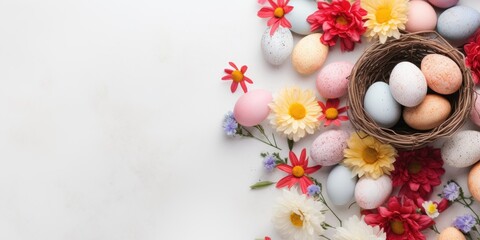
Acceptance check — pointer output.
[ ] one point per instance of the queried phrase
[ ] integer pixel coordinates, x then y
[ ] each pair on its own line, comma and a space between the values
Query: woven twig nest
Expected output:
377, 62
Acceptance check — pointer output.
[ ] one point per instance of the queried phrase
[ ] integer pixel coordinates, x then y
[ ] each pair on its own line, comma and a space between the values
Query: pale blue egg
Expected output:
298, 16
458, 23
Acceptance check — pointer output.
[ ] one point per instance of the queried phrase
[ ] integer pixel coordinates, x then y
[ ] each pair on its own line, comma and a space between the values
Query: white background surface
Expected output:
110, 121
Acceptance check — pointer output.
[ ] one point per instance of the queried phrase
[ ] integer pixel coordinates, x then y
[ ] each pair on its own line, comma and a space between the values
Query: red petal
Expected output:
303, 156
293, 159
274, 28
322, 106
273, 4
244, 69
233, 65
284, 181
343, 109
229, 71
244, 87
333, 103
227, 77
304, 183
247, 79
342, 118
312, 169
265, 12
286, 168
233, 87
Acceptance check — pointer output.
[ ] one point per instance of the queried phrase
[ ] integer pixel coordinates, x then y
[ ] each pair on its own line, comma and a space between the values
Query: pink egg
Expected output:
332, 80
443, 3
252, 107
421, 17
475, 112
327, 149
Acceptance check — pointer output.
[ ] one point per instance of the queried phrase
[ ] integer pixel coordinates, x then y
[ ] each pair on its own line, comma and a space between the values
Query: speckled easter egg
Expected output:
442, 74
341, 185
474, 181
421, 17
475, 112
277, 48
407, 84
451, 233
309, 54
252, 107
371, 193
443, 3
327, 149
429, 114
462, 149
380, 105
299, 14
458, 23
332, 80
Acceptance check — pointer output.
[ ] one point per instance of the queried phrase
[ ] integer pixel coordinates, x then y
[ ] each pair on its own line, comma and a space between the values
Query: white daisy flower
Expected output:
298, 217
430, 209
357, 229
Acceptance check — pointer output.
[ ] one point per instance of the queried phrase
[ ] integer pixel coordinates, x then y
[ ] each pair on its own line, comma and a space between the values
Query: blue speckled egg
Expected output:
299, 14
458, 23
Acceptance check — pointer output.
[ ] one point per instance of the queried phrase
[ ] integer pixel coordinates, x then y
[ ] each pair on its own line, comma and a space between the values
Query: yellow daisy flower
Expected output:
385, 18
295, 113
367, 156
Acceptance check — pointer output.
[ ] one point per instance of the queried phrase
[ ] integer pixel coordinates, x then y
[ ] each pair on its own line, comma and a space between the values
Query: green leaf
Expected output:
290, 144
261, 184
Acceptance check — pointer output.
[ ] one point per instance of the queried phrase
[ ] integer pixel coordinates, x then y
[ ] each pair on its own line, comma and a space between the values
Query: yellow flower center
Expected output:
278, 13
331, 113
397, 227
414, 167
370, 155
431, 209
296, 220
237, 76
341, 20
297, 111
298, 171
383, 14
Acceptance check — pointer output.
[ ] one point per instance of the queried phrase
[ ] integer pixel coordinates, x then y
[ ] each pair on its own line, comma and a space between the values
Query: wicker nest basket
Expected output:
377, 62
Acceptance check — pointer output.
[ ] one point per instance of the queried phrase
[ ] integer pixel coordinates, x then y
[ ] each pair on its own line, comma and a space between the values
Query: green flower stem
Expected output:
322, 199
262, 131
465, 204
434, 228
325, 237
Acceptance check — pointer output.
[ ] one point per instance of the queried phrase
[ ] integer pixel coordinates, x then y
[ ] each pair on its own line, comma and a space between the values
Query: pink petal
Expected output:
227, 77
233, 65
233, 87
247, 79
243, 69
244, 87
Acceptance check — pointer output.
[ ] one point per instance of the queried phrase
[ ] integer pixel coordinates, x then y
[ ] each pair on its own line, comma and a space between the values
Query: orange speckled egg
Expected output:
431, 112
474, 181
451, 233
442, 74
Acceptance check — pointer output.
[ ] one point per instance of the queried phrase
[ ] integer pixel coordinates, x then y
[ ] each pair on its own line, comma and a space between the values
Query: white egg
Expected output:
462, 149
341, 185
277, 48
299, 14
371, 193
408, 84
381, 106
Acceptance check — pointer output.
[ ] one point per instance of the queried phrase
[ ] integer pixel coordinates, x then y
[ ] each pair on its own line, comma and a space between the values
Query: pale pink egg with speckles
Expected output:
252, 107
327, 149
371, 193
332, 80
442, 74
475, 112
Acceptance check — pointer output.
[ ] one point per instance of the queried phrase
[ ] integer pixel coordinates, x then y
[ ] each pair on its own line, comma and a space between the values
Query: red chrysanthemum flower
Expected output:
472, 56
339, 19
298, 172
237, 76
276, 13
331, 112
400, 219
418, 171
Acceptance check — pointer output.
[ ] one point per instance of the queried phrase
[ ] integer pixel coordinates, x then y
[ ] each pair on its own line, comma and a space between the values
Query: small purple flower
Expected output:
464, 223
269, 162
451, 191
313, 190
230, 125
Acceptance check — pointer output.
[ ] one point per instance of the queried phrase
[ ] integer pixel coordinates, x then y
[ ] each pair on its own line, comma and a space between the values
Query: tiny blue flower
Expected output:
464, 223
230, 125
451, 191
269, 162
313, 190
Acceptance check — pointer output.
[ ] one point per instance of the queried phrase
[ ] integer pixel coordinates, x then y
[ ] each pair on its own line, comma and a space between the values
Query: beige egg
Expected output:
431, 112
442, 74
474, 181
309, 54
451, 233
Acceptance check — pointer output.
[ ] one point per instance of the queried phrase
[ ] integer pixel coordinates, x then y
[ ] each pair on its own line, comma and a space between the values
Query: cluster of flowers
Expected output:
344, 21
300, 214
